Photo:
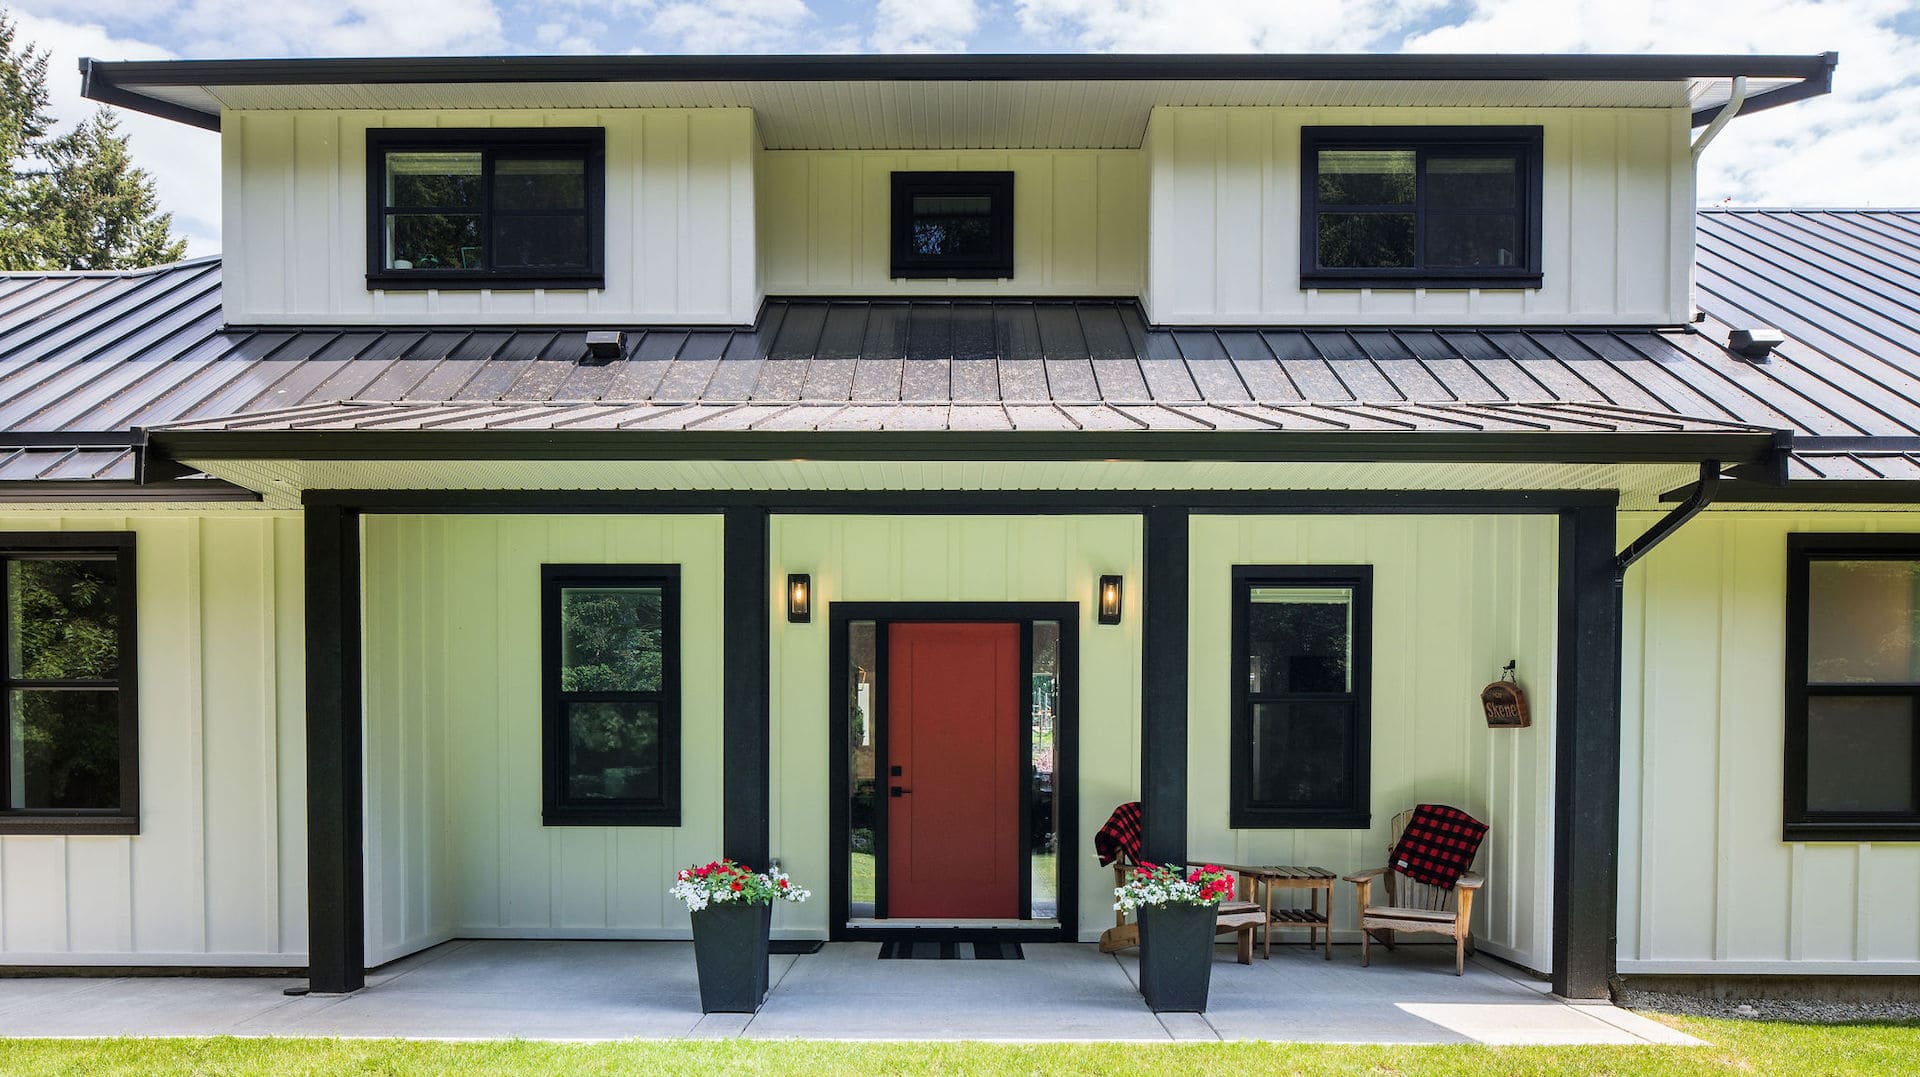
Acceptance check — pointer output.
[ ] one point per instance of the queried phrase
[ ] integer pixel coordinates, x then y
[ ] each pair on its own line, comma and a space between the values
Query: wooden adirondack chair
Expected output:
1415, 906
1242, 918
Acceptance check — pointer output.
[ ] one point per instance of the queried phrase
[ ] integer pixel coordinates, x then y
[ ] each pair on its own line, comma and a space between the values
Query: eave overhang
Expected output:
195, 91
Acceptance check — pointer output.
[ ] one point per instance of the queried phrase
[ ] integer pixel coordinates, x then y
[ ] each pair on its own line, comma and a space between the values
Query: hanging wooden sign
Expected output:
1505, 702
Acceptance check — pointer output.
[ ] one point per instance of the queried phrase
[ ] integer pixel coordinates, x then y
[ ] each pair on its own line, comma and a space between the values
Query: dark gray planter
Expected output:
1176, 956
730, 947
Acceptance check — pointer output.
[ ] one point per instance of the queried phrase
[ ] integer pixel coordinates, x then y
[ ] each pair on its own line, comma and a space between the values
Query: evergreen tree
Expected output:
103, 212
75, 201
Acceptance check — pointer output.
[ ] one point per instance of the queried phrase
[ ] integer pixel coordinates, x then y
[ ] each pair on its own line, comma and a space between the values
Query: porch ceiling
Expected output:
284, 481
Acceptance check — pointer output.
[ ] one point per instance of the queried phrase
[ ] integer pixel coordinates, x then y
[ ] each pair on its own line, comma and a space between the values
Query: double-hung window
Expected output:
1853, 688
1410, 207
490, 208
1302, 660
611, 647
69, 761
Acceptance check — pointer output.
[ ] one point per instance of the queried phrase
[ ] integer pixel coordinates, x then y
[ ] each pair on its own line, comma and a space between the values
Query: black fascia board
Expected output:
1811, 492
114, 82
184, 491
1274, 446
1818, 84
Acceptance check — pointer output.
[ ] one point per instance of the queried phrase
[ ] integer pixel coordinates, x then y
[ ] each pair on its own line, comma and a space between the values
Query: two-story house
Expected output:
578, 467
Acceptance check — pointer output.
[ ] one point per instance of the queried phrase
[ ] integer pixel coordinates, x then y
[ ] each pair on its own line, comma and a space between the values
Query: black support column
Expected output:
1163, 688
1586, 820
744, 603
336, 917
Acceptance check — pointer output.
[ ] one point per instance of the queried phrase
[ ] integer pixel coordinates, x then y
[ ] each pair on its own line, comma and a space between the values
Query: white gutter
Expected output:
1726, 115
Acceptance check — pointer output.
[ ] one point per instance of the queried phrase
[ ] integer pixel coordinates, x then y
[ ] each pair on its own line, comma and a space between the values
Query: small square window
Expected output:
1853, 688
1301, 688
953, 224
612, 694
497, 208
1432, 207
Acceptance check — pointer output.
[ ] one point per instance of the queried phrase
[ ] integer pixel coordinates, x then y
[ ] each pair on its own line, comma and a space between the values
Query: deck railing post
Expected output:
336, 846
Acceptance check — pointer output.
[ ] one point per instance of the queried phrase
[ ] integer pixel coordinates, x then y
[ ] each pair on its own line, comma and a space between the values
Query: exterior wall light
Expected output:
1109, 600
799, 598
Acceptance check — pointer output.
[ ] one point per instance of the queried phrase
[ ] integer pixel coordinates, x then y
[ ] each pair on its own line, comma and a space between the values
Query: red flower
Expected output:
739, 886
783, 884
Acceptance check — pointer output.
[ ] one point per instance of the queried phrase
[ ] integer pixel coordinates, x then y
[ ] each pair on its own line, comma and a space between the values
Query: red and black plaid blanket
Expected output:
1438, 845
1120, 835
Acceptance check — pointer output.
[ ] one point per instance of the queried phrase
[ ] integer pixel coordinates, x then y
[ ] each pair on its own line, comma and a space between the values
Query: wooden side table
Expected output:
1265, 878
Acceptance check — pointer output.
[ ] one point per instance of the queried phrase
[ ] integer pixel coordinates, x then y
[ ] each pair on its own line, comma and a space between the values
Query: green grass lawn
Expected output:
1739, 1047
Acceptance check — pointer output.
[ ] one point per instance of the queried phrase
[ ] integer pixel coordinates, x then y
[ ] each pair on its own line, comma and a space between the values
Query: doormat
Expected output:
795, 946
951, 951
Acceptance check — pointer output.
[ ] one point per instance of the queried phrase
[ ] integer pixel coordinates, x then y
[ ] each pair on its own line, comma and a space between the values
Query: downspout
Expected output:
1728, 111
1697, 501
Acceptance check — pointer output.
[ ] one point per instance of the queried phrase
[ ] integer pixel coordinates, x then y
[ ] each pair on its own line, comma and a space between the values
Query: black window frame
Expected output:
1356, 814
124, 819
591, 142
1527, 141
1798, 823
907, 265
556, 808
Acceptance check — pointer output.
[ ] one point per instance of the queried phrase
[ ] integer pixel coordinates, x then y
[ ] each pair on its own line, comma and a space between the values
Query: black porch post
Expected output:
1163, 689
336, 920
1586, 820
748, 795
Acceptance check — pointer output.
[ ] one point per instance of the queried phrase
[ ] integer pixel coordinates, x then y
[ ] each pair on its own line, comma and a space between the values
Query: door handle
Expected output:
896, 791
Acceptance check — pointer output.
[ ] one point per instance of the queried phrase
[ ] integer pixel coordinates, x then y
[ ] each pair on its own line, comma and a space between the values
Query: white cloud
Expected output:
184, 161
1223, 25
924, 25
732, 25
206, 28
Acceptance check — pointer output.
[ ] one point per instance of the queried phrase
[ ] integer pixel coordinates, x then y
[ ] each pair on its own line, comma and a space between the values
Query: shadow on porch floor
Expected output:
616, 990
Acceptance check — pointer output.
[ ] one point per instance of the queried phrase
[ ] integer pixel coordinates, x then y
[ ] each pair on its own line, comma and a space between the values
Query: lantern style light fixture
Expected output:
1109, 600
799, 598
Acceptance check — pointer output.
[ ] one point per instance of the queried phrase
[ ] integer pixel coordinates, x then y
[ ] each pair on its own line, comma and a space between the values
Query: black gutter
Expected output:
1816, 85
1702, 496
51, 491
1258, 445
1813, 492
110, 81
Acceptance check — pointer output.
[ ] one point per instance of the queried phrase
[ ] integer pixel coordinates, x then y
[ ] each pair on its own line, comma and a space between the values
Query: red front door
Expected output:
953, 732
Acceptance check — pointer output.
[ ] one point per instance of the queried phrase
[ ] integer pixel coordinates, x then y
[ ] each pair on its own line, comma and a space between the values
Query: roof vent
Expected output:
606, 345
1755, 345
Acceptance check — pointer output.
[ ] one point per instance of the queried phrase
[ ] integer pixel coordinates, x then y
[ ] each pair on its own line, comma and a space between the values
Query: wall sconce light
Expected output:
1109, 600
799, 598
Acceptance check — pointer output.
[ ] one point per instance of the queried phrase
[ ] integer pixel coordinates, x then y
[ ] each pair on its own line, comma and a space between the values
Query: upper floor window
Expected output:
1853, 688
953, 224
69, 762
495, 208
1406, 207
612, 687
1302, 689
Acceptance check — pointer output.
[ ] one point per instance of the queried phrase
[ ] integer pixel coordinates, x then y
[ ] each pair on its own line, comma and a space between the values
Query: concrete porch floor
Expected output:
617, 990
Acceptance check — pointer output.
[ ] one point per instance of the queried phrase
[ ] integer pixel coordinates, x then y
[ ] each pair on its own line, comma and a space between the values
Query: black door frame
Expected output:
840, 617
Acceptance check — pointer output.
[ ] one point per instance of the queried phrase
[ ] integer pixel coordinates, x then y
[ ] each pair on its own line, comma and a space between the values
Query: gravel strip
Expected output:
1814, 1011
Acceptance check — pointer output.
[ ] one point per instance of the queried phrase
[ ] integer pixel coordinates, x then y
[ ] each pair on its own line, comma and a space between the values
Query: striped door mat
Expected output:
950, 951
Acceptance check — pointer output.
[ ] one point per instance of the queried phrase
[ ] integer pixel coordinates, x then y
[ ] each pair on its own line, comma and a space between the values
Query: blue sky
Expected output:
1860, 146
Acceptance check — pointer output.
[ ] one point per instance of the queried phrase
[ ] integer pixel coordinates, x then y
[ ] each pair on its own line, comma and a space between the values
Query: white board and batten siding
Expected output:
1225, 221
1707, 885
455, 843
1079, 222
218, 873
1454, 598
680, 245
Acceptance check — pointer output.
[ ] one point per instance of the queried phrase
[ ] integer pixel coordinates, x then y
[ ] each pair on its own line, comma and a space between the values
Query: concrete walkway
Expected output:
617, 990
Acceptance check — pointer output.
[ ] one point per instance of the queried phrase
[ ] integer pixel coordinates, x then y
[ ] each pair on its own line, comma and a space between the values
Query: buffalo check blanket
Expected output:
1438, 845
1120, 835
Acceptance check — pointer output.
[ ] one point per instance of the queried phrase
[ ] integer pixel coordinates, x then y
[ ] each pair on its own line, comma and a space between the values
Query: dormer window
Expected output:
953, 224
494, 208
1420, 207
